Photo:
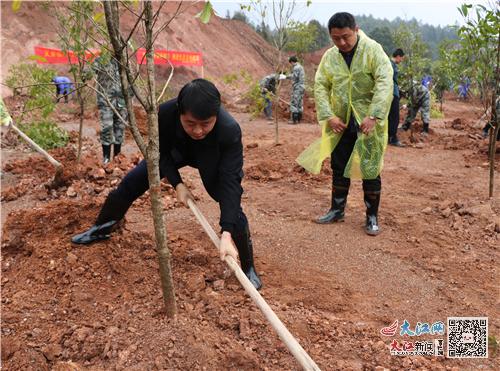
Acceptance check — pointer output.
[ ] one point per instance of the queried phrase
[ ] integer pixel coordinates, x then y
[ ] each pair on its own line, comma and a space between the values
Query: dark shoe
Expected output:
117, 148
485, 134
425, 129
299, 117
243, 243
336, 213
395, 142
372, 201
95, 233
106, 154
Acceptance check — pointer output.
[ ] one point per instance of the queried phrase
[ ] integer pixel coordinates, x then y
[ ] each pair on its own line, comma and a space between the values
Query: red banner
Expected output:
57, 56
175, 57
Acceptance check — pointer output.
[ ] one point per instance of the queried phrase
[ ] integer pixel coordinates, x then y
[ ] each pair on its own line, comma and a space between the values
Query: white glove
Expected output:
403, 106
282, 77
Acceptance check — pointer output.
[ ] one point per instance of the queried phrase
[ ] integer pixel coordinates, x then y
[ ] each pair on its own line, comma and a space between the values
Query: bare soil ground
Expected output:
67, 307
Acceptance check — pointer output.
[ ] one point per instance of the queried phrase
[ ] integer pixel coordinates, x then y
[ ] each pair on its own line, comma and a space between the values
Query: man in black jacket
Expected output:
194, 131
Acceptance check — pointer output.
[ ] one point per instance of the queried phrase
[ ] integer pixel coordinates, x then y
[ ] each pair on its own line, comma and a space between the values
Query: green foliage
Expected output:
479, 39
447, 70
247, 77
435, 109
417, 62
40, 93
301, 37
432, 36
383, 36
240, 16
230, 78
322, 36
256, 100
206, 13
46, 134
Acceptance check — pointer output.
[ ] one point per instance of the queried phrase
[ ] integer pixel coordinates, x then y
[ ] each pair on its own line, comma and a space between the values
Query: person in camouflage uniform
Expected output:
107, 75
268, 85
298, 87
419, 98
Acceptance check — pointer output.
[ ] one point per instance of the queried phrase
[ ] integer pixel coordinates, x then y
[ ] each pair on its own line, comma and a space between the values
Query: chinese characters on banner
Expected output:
177, 58
57, 56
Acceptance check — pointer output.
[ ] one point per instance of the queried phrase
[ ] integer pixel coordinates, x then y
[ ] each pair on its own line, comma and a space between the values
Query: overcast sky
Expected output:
436, 12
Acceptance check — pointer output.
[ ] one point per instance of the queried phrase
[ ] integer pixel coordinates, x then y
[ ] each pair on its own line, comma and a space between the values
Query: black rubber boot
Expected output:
106, 154
425, 128
112, 211
336, 213
117, 148
299, 118
243, 243
372, 201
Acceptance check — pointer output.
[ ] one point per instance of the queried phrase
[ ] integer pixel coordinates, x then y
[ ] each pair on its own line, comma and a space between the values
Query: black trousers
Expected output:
133, 186
339, 159
394, 117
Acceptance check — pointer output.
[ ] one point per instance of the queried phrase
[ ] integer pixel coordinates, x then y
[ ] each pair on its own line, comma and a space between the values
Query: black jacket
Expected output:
218, 158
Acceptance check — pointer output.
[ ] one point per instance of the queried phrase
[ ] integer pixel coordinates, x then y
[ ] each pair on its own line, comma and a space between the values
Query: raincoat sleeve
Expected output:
384, 86
322, 90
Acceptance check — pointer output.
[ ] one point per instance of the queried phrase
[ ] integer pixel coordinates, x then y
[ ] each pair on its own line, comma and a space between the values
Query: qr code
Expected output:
467, 337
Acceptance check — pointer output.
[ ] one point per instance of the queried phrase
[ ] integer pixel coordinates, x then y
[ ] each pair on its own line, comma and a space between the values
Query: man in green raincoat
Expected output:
353, 93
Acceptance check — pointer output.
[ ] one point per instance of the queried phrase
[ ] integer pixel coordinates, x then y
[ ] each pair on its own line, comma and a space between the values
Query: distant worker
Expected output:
268, 87
298, 88
397, 57
109, 88
427, 82
419, 98
463, 89
64, 87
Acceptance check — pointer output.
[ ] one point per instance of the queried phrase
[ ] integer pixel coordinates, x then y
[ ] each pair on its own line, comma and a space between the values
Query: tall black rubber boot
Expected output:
243, 243
112, 211
425, 128
106, 153
117, 148
299, 117
336, 213
372, 201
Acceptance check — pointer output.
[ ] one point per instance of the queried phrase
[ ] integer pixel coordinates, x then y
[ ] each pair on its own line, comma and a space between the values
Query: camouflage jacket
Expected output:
108, 80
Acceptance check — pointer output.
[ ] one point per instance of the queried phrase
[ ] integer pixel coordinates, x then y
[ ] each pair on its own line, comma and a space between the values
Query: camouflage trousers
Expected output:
425, 112
297, 98
112, 128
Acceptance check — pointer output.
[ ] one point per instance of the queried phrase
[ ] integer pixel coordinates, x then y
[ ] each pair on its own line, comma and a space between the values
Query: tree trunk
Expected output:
80, 126
151, 151
494, 121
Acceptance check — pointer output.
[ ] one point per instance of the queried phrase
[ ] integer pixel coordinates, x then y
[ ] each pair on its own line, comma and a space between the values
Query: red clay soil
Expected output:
68, 307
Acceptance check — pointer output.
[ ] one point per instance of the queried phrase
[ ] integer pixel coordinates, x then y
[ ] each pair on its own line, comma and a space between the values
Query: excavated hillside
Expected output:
228, 47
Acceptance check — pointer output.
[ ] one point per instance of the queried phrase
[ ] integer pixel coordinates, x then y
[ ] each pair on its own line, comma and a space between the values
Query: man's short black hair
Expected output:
398, 53
201, 98
292, 59
341, 20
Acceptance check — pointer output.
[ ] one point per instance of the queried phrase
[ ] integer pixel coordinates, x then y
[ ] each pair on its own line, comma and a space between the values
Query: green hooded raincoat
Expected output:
363, 90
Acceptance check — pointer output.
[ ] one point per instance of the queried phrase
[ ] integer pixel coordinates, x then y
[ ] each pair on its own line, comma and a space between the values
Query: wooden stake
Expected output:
36, 147
291, 343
